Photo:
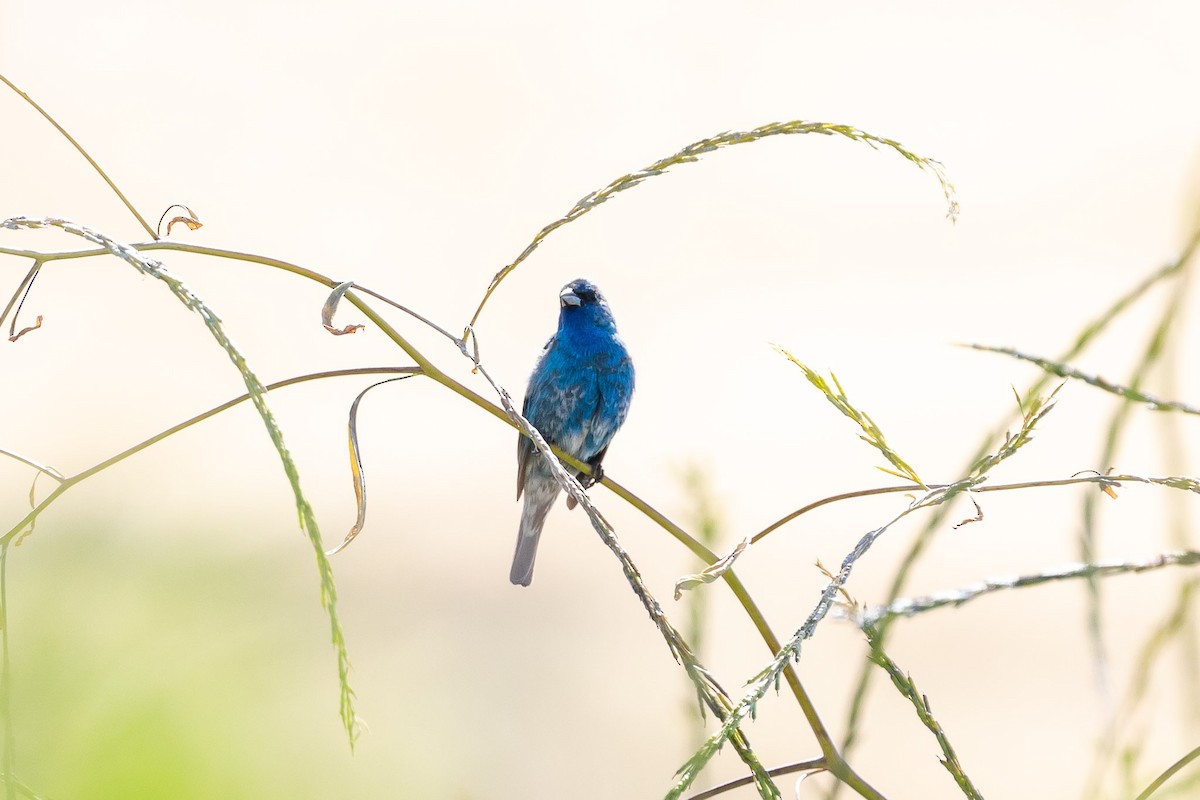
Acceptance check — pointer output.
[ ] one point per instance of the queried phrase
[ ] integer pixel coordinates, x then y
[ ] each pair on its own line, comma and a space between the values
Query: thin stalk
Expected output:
1103, 480
82, 152
814, 765
10, 783
1161, 779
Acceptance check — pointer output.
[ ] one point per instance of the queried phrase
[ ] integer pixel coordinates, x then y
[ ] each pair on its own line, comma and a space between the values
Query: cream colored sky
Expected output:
417, 148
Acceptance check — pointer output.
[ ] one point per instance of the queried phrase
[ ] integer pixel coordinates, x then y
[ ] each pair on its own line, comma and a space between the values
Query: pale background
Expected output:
165, 634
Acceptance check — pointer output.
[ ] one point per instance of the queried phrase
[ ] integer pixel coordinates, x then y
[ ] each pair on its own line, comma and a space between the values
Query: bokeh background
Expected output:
164, 628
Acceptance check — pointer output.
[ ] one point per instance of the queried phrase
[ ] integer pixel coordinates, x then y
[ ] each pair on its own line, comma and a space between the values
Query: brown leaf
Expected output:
36, 324
192, 224
192, 220
977, 518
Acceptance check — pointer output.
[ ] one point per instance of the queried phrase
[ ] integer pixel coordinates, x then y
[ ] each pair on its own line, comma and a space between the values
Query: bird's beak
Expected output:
569, 298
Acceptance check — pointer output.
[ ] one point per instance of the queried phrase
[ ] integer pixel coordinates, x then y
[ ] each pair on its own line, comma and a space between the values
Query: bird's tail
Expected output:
533, 516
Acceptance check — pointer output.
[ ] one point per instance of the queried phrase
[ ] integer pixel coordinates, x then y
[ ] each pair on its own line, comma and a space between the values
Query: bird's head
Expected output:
580, 293
583, 307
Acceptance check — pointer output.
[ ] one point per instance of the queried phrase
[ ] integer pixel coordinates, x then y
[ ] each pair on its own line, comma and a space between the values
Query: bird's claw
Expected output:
588, 481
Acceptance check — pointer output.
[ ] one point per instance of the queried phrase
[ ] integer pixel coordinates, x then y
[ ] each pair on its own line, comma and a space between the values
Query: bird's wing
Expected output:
538, 388
524, 446
613, 393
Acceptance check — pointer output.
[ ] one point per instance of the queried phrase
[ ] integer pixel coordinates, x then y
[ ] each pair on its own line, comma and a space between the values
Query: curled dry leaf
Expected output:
711, 574
41, 469
344, 330
330, 308
192, 224
37, 323
1106, 486
356, 470
192, 220
356, 474
977, 518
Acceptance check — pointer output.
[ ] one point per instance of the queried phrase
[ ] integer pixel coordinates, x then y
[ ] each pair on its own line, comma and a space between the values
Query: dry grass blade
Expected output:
693, 152
357, 474
17, 301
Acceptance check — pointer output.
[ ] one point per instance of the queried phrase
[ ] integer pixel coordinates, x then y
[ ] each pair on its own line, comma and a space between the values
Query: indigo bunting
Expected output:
578, 395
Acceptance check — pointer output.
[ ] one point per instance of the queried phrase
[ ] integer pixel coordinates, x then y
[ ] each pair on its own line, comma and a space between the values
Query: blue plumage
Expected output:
578, 396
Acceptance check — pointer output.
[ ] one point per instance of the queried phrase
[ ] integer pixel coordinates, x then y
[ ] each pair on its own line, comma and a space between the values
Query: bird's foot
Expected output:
588, 481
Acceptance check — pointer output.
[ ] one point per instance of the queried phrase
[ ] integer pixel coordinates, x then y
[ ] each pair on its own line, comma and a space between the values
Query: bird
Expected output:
577, 398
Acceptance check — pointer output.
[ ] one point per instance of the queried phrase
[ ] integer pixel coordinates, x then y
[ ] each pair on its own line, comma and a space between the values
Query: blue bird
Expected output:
578, 396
